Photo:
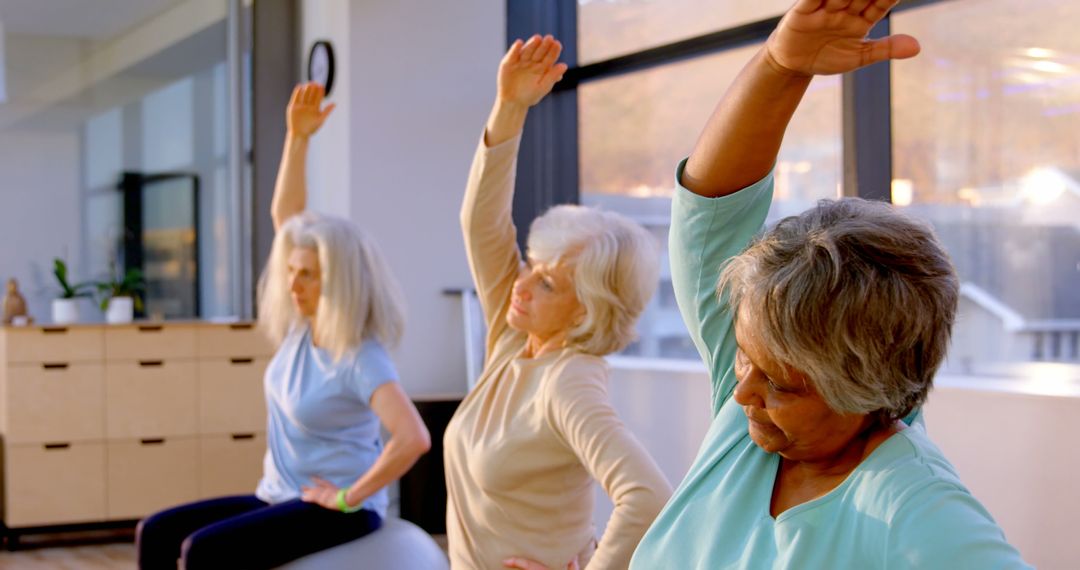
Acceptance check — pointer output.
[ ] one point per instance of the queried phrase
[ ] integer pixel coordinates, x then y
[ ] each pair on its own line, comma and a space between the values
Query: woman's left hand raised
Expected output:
526, 564
322, 493
305, 113
529, 70
821, 37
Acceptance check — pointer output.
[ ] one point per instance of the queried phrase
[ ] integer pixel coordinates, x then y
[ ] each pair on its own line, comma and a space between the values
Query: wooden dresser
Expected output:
113, 422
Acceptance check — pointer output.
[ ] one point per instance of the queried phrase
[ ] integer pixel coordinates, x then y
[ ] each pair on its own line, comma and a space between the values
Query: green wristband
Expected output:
345, 508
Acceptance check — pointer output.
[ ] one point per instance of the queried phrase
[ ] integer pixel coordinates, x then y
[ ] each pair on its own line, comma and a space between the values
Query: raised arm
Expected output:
303, 117
727, 181
527, 73
741, 140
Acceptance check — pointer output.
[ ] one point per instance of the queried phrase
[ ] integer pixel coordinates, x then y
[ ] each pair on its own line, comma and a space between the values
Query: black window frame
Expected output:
548, 165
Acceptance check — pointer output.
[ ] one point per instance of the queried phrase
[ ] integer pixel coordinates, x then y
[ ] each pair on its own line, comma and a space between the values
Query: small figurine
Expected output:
14, 303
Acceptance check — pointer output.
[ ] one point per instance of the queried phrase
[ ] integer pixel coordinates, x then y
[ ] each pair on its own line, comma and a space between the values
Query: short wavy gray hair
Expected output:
615, 270
855, 295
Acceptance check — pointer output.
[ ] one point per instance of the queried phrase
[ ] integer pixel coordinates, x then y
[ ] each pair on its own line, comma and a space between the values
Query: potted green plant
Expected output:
65, 309
122, 295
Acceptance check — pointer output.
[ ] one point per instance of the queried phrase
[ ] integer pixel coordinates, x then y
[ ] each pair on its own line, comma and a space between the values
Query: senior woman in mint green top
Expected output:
827, 333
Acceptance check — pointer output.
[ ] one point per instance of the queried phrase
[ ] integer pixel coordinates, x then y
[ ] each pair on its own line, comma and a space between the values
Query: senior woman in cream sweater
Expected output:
524, 447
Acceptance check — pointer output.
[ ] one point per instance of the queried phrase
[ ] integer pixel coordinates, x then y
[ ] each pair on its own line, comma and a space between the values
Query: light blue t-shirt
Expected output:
319, 419
902, 507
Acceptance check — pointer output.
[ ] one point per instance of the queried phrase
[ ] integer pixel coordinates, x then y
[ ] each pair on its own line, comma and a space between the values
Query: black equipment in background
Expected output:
161, 238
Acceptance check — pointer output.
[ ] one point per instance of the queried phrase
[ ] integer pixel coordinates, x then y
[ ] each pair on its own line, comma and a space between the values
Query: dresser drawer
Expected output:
237, 340
231, 397
152, 398
230, 464
148, 475
58, 483
52, 344
54, 402
150, 342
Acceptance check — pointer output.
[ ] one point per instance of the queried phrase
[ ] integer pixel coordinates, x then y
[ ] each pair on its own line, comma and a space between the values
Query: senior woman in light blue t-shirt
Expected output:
331, 304
825, 339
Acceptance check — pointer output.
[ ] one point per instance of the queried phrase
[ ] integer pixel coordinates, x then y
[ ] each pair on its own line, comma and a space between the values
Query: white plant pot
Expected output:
120, 310
65, 311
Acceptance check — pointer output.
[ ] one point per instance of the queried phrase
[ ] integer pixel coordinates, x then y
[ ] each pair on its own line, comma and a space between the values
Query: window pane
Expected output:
103, 149
610, 28
634, 129
985, 147
168, 127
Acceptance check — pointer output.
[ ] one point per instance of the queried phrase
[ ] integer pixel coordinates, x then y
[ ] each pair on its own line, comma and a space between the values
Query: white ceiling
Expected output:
84, 19
48, 43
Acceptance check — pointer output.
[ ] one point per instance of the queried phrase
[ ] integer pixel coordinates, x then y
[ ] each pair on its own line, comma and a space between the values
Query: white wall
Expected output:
423, 80
1017, 453
666, 405
329, 167
416, 80
39, 216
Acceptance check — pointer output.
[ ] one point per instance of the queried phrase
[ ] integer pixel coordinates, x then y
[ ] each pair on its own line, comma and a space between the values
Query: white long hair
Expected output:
360, 298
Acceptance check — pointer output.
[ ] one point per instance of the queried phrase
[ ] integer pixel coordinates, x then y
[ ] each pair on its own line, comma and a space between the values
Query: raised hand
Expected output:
822, 37
529, 70
305, 114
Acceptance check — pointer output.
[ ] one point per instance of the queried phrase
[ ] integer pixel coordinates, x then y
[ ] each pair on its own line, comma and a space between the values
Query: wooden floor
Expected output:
105, 548
117, 556
94, 557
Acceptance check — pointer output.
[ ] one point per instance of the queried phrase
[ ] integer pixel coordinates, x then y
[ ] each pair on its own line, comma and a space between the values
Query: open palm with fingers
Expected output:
529, 70
821, 37
305, 114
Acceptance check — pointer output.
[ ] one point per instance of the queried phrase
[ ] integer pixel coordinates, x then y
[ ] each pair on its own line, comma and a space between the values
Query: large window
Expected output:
634, 129
982, 147
976, 136
985, 147
612, 28
171, 128
92, 103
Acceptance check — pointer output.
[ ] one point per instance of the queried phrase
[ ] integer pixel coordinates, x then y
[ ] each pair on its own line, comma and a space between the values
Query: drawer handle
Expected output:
150, 328
55, 365
152, 441
241, 326
242, 436
51, 446
54, 330
241, 360
151, 363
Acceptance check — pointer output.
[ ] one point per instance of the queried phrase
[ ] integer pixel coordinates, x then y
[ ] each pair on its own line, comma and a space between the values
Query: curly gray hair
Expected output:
615, 270
855, 295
